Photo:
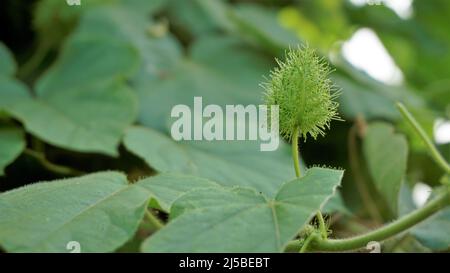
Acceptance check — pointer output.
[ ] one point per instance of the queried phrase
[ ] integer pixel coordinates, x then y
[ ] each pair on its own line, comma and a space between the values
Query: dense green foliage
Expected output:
91, 87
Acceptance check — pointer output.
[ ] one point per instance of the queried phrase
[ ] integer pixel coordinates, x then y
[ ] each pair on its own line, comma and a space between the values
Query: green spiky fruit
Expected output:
304, 93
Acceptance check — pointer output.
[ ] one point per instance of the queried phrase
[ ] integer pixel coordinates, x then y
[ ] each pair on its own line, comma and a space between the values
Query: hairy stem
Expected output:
308, 240
295, 157
382, 233
434, 152
295, 152
322, 226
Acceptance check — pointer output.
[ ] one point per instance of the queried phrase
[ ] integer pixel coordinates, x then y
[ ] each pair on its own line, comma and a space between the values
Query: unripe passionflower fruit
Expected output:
304, 93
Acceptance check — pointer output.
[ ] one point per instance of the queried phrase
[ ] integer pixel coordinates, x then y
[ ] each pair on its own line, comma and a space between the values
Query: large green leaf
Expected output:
386, 154
243, 220
90, 119
86, 60
100, 211
229, 163
46, 216
12, 143
77, 100
82, 103
158, 55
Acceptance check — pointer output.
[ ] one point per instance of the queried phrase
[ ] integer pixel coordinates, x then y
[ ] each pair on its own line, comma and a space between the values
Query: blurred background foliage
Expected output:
141, 57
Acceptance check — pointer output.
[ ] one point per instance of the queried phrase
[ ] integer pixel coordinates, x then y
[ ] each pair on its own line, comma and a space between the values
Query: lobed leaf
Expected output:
241, 219
78, 99
100, 211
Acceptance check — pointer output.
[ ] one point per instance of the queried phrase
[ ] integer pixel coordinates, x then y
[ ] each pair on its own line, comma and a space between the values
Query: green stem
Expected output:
156, 223
295, 157
37, 145
434, 152
295, 152
382, 233
62, 170
308, 240
322, 226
